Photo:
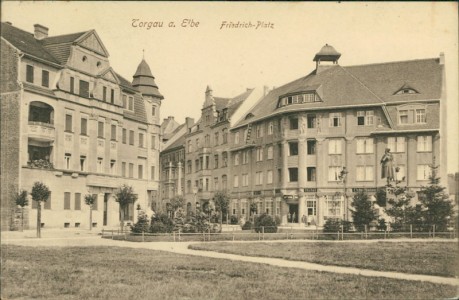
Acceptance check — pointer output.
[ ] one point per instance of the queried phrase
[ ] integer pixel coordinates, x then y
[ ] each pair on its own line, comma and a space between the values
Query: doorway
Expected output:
292, 216
106, 196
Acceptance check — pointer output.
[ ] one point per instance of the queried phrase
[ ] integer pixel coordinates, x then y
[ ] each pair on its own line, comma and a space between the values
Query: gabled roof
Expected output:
125, 83
26, 42
180, 142
373, 84
168, 127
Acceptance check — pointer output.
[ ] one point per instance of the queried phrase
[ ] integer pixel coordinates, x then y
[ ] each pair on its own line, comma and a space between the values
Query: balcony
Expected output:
42, 131
102, 181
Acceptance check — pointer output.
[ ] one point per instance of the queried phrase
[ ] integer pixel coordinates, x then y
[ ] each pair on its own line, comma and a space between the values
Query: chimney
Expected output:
40, 31
171, 118
442, 58
189, 122
9, 23
265, 90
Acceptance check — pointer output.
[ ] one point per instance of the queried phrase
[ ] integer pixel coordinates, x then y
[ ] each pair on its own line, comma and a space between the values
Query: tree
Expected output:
22, 200
40, 193
176, 203
381, 197
265, 223
142, 224
399, 208
221, 199
364, 212
438, 208
125, 196
90, 199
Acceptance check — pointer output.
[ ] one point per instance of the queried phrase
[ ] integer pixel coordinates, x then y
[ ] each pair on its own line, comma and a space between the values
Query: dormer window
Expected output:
249, 115
406, 89
84, 58
298, 99
412, 115
98, 64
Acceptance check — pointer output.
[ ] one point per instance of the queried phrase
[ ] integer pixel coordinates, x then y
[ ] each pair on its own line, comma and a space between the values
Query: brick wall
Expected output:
9, 132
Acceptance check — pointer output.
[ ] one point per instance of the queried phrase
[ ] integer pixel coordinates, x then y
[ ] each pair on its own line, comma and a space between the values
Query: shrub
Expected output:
161, 223
247, 226
278, 220
267, 222
334, 225
234, 220
142, 224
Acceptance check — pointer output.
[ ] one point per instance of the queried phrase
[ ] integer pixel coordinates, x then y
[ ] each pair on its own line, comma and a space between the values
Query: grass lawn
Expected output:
125, 273
428, 258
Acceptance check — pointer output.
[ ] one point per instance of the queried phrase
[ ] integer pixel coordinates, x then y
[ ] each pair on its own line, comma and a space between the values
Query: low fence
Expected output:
264, 233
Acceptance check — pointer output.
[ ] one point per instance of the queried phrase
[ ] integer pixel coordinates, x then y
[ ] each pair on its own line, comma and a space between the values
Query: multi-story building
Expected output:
310, 144
70, 121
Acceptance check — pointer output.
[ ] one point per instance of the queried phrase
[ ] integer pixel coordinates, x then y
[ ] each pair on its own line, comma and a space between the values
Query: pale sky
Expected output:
185, 60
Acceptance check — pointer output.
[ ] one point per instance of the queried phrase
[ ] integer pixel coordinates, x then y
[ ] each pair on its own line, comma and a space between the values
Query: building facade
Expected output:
70, 121
304, 150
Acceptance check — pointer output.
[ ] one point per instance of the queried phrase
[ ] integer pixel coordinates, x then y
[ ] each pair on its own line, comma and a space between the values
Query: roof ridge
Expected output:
361, 83
5, 23
391, 62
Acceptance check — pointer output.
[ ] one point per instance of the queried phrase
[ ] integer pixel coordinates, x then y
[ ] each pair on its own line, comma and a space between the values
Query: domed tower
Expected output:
327, 53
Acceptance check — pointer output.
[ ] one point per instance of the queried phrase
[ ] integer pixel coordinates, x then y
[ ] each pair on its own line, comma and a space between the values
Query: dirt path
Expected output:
182, 248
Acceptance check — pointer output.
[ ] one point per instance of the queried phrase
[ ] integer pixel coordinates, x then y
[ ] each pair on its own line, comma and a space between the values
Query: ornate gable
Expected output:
92, 42
109, 75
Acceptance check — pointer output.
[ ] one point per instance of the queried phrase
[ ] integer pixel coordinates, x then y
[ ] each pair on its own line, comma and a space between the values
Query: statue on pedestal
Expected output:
387, 168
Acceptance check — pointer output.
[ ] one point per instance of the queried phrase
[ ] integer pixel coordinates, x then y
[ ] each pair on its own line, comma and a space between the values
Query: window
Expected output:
153, 142
311, 121
311, 173
403, 114
334, 206
245, 157
131, 103
215, 183
141, 140
131, 137
361, 118
124, 101
270, 128
293, 148
293, 123
113, 132
124, 136
311, 145
82, 163
364, 173
269, 177
68, 123
77, 201
196, 165
335, 119
189, 146
112, 96
310, 97
72, 85
245, 179
236, 181
365, 117
84, 126
45, 78
152, 173
420, 115
188, 186
84, 89
100, 164
100, 129
188, 166
424, 172
216, 161
279, 175
424, 143
334, 173
311, 205
258, 178
259, 154
293, 174
67, 200
29, 73
47, 204
369, 116
236, 159
140, 171
259, 130
270, 152
104, 93
334, 146
225, 135
131, 170
153, 110
216, 138
401, 172
113, 167
236, 138
67, 157
123, 169
396, 144
364, 145
225, 159
197, 143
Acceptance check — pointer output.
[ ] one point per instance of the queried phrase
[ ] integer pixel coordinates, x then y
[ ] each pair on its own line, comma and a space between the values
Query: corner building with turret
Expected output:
72, 122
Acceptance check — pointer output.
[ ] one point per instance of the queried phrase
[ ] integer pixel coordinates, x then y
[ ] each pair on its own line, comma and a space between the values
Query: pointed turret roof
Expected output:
144, 81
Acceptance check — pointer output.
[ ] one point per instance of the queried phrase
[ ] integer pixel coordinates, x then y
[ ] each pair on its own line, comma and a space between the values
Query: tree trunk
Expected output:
22, 218
221, 221
122, 218
90, 217
38, 219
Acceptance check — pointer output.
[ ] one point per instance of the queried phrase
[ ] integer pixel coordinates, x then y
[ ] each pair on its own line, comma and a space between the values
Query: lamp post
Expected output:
342, 177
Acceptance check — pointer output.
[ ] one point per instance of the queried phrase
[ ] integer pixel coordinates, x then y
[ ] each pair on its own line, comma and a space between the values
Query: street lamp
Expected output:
342, 177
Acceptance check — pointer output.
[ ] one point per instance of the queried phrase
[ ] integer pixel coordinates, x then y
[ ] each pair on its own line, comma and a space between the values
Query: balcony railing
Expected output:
42, 131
